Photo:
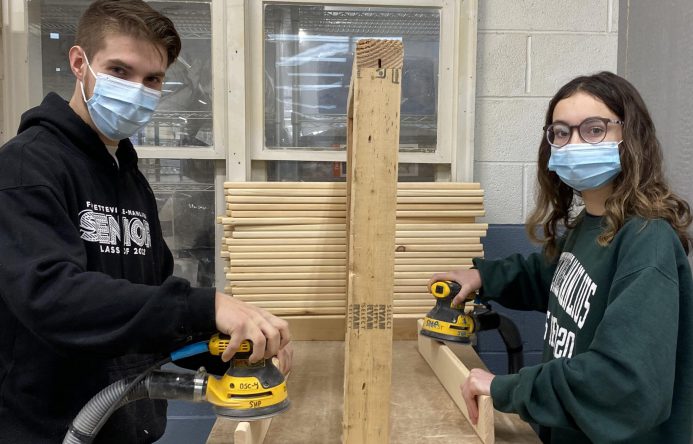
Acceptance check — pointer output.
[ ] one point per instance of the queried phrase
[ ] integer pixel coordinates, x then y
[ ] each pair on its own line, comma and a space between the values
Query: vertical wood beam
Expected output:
372, 150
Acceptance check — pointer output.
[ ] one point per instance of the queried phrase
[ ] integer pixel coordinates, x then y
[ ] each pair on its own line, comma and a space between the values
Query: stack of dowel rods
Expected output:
285, 242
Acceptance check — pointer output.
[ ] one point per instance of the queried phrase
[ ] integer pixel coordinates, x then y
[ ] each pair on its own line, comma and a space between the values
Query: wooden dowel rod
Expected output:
341, 297
438, 193
422, 274
406, 226
414, 302
435, 261
317, 255
288, 206
433, 248
439, 185
433, 199
341, 200
422, 295
460, 213
293, 269
288, 234
234, 248
342, 185
267, 281
287, 262
331, 277
282, 220
412, 310
435, 268
284, 214
445, 233
434, 254
304, 311
240, 289
437, 207
412, 241
312, 241
296, 304
302, 227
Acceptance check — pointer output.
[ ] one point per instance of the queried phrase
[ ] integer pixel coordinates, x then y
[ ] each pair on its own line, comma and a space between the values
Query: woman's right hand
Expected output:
469, 280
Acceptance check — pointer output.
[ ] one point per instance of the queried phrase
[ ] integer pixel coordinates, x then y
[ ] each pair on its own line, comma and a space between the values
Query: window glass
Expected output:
184, 191
184, 115
309, 51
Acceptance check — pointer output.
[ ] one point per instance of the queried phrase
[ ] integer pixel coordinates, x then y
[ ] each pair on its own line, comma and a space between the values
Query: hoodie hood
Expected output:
55, 114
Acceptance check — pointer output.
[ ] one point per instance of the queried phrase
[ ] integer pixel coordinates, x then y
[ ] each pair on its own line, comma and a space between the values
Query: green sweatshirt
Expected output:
618, 342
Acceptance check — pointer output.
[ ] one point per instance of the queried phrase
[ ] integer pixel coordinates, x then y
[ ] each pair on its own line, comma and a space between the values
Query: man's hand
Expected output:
478, 383
469, 280
243, 321
284, 359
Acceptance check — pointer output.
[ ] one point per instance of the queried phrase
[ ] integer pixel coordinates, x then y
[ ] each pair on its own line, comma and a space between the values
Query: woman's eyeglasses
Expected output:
591, 130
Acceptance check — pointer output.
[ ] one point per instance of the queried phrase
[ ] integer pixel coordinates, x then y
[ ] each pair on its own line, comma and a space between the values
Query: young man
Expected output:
86, 292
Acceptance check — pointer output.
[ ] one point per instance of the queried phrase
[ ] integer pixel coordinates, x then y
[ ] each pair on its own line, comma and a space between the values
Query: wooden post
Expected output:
372, 150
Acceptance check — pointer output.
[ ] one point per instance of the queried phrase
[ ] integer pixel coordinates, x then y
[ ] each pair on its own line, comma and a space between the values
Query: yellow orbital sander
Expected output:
246, 391
449, 322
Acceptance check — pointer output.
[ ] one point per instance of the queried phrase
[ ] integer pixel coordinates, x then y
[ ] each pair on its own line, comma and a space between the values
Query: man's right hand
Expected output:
469, 280
242, 321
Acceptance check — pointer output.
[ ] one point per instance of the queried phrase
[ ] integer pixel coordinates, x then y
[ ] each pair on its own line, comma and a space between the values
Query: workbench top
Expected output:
421, 411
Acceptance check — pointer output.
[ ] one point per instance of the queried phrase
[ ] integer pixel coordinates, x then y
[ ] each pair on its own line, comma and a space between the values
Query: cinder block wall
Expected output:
526, 51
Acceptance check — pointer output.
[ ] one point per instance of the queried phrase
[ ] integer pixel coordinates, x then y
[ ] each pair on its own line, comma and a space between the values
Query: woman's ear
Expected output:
78, 63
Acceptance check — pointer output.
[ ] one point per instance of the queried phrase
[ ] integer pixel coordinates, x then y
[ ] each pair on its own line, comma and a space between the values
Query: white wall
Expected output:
527, 50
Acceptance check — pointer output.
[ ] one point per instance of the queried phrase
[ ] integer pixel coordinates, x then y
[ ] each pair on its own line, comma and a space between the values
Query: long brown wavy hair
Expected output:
640, 189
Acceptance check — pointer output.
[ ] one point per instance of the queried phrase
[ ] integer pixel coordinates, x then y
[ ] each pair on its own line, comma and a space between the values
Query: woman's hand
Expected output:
469, 280
478, 383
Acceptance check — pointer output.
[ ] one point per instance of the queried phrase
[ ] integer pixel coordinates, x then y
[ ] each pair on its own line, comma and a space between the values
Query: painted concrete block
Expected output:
502, 184
501, 64
509, 129
558, 58
560, 15
530, 189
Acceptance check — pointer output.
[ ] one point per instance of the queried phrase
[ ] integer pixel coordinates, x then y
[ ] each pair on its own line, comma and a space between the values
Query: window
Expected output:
300, 55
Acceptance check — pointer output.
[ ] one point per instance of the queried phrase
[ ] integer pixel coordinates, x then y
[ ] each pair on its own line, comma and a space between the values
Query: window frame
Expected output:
457, 74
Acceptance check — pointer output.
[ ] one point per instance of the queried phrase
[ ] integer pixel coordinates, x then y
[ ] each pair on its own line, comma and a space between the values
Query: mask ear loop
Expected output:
81, 83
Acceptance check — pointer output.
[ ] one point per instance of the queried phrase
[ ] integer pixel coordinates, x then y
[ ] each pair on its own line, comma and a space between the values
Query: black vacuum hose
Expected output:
513, 343
156, 385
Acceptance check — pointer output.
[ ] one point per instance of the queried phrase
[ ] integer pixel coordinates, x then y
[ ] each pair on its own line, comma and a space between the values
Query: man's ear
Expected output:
78, 64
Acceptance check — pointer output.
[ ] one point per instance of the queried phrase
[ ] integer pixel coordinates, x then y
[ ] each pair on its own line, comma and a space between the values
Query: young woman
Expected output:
613, 278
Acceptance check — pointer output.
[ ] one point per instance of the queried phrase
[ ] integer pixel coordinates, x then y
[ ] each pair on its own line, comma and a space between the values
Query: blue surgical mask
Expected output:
586, 166
119, 107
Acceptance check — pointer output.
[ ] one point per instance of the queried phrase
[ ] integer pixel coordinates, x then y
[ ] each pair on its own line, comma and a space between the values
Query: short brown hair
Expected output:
129, 17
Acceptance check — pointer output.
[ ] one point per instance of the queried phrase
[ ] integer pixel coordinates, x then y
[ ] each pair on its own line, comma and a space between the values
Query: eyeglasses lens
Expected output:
591, 131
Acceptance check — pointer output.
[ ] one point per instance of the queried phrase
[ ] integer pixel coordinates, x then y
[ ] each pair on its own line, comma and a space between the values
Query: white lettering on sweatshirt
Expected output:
107, 225
573, 288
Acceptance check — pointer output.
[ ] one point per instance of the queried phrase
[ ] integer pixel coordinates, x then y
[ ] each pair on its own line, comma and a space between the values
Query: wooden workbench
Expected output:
421, 409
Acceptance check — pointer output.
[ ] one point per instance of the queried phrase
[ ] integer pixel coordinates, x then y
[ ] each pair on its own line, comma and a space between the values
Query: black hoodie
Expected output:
86, 292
